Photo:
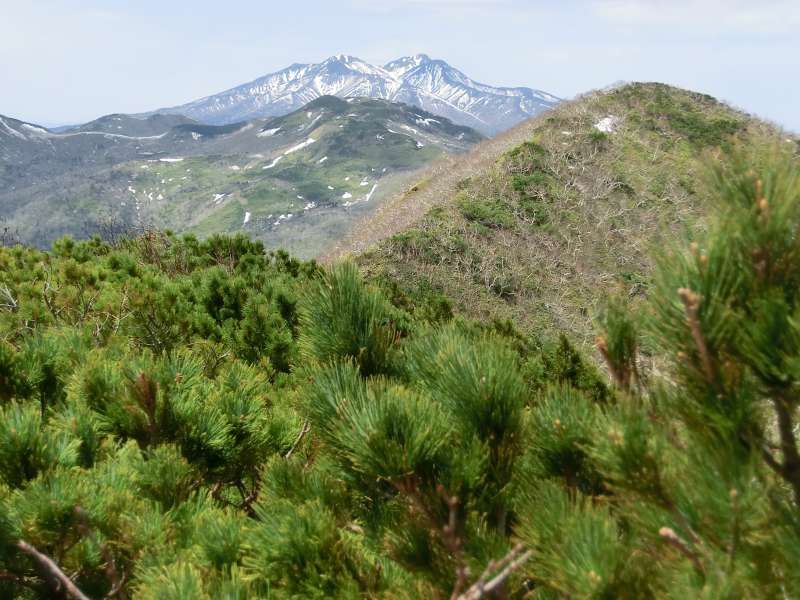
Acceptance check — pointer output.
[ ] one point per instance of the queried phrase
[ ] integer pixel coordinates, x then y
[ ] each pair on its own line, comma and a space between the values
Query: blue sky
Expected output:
66, 61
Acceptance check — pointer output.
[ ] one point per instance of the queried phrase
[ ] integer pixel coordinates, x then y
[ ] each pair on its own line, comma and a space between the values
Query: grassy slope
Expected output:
190, 188
539, 233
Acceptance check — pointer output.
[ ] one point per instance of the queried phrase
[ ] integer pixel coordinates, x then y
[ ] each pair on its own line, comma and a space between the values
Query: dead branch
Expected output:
672, 538
503, 569
10, 302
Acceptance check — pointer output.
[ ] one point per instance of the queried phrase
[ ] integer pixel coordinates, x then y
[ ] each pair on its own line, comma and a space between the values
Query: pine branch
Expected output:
672, 538
117, 581
248, 499
19, 580
52, 573
145, 391
736, 534
790, 469
691, 302
9, 576
453, 543
303, 432
620, 378
506, 566
247, 503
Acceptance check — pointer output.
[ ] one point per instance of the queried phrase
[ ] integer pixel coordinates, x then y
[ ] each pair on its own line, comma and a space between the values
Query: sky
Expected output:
70, 61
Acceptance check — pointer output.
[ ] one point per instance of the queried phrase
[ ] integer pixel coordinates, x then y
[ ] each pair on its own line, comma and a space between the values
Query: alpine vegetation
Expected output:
201, 419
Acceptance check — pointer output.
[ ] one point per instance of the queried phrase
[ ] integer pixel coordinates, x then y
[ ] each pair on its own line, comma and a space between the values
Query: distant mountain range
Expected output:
296, 181
292, 158
432, 85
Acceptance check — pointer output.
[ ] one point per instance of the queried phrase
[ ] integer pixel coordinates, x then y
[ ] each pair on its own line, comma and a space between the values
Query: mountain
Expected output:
15, 136
530, 225
297, 181
132, 126
432, 85
31, 153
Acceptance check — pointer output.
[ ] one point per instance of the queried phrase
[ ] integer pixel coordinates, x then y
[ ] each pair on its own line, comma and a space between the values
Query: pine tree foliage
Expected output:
199, 419
342, 318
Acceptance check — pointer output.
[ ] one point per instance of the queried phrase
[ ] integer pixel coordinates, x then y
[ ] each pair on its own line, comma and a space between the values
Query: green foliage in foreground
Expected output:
201, 420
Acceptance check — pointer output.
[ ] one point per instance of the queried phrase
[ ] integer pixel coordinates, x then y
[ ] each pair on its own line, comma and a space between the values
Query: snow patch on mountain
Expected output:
273, 163
300, 146
268, 132
607, 124
11, 131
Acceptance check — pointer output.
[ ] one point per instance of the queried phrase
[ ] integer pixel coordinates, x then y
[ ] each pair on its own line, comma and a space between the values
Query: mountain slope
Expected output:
443, 90
430, 84
127, 125
297, 181
532, 225
31, 154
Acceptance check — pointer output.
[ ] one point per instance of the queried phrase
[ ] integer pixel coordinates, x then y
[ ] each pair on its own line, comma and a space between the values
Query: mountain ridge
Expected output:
296, 181
527, 225
430, 84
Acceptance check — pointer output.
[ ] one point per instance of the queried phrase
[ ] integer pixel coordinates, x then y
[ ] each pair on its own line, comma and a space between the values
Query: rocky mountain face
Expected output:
432, 85
296, 181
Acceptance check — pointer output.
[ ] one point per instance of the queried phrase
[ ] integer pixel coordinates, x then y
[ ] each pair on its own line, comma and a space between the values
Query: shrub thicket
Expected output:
185, 419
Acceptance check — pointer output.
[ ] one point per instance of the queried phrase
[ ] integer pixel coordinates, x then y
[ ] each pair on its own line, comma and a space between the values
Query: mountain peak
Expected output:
418, 80
344, 58
345, 62
403, 65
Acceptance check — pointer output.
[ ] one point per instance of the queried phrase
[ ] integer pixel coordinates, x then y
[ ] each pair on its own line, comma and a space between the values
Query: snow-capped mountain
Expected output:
417, 80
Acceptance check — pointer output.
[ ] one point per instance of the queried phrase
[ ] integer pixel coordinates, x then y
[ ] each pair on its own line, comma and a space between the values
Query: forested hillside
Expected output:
186, 419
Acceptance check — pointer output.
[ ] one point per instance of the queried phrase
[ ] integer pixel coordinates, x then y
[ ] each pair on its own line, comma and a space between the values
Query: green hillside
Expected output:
574, 210
297, 181
185, 418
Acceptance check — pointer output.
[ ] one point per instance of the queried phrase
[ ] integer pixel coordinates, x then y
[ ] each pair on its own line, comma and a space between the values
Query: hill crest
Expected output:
529, 225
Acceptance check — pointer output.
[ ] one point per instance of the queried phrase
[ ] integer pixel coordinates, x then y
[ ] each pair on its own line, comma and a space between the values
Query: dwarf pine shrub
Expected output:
198, 419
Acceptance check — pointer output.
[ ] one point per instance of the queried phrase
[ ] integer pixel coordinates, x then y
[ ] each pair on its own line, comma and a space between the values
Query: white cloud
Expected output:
766, 16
